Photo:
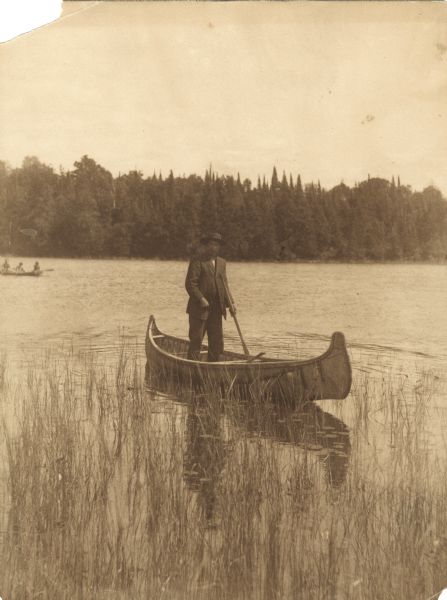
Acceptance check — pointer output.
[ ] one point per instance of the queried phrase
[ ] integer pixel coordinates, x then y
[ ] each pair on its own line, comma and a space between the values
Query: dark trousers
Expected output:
212, 326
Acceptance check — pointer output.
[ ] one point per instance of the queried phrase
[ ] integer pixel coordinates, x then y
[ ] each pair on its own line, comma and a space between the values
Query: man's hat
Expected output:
212, 237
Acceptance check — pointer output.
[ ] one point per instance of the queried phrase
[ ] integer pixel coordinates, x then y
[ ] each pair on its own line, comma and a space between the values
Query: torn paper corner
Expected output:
22, 16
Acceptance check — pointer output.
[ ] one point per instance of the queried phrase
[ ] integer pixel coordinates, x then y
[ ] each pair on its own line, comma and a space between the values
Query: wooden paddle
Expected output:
253, 358
230, 298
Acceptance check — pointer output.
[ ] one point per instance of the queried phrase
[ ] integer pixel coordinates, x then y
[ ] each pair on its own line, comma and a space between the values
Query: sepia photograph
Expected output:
223, 302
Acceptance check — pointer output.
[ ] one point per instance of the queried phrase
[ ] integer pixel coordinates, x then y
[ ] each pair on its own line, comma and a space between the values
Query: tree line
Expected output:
86, 212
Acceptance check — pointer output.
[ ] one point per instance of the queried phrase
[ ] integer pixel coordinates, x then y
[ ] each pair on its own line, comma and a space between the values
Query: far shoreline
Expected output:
297, 261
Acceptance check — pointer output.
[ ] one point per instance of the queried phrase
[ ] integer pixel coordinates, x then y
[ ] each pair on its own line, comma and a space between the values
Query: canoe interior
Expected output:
179, 348
325, 377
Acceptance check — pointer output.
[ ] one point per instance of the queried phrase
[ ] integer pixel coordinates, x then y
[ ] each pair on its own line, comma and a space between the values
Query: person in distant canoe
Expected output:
206, 283
5, 266
36, 267
19, 268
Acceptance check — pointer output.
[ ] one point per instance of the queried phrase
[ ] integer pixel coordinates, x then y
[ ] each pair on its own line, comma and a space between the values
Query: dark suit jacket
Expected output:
203, 281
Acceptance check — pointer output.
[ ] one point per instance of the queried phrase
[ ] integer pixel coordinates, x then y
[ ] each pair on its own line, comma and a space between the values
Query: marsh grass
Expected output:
3, 370
110, 498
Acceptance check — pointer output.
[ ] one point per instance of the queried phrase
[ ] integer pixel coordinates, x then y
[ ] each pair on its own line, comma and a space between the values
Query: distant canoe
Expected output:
25, 274
325, 377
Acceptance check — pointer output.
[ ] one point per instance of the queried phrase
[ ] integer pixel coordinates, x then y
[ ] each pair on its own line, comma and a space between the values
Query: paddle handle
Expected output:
230, 298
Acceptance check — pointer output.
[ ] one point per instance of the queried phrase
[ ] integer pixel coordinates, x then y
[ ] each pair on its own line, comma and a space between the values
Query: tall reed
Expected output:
115, 492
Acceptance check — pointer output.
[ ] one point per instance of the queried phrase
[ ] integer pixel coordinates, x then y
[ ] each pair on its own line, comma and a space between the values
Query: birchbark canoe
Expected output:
325, 377
24, 274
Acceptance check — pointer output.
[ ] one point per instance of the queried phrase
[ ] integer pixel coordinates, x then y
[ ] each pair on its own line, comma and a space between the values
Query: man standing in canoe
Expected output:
209, 297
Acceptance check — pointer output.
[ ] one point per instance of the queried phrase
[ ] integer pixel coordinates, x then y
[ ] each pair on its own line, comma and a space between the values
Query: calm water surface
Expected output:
394, 318
282, 307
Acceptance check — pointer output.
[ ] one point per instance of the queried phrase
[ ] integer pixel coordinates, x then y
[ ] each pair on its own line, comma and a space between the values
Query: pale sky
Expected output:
332, 91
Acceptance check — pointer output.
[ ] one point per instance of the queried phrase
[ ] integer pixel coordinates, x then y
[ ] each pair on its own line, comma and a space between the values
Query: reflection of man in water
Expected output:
204, 457
206, 284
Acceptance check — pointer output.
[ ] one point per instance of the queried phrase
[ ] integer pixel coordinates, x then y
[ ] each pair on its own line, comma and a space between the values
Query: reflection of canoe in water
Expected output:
309, 428
207, 451
24, 274
325, 377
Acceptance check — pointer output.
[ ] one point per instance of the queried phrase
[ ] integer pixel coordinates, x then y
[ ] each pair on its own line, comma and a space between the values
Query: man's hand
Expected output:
204, 303
233, 310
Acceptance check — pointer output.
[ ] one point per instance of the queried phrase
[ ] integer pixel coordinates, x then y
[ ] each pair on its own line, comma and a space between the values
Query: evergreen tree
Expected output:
87, 212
